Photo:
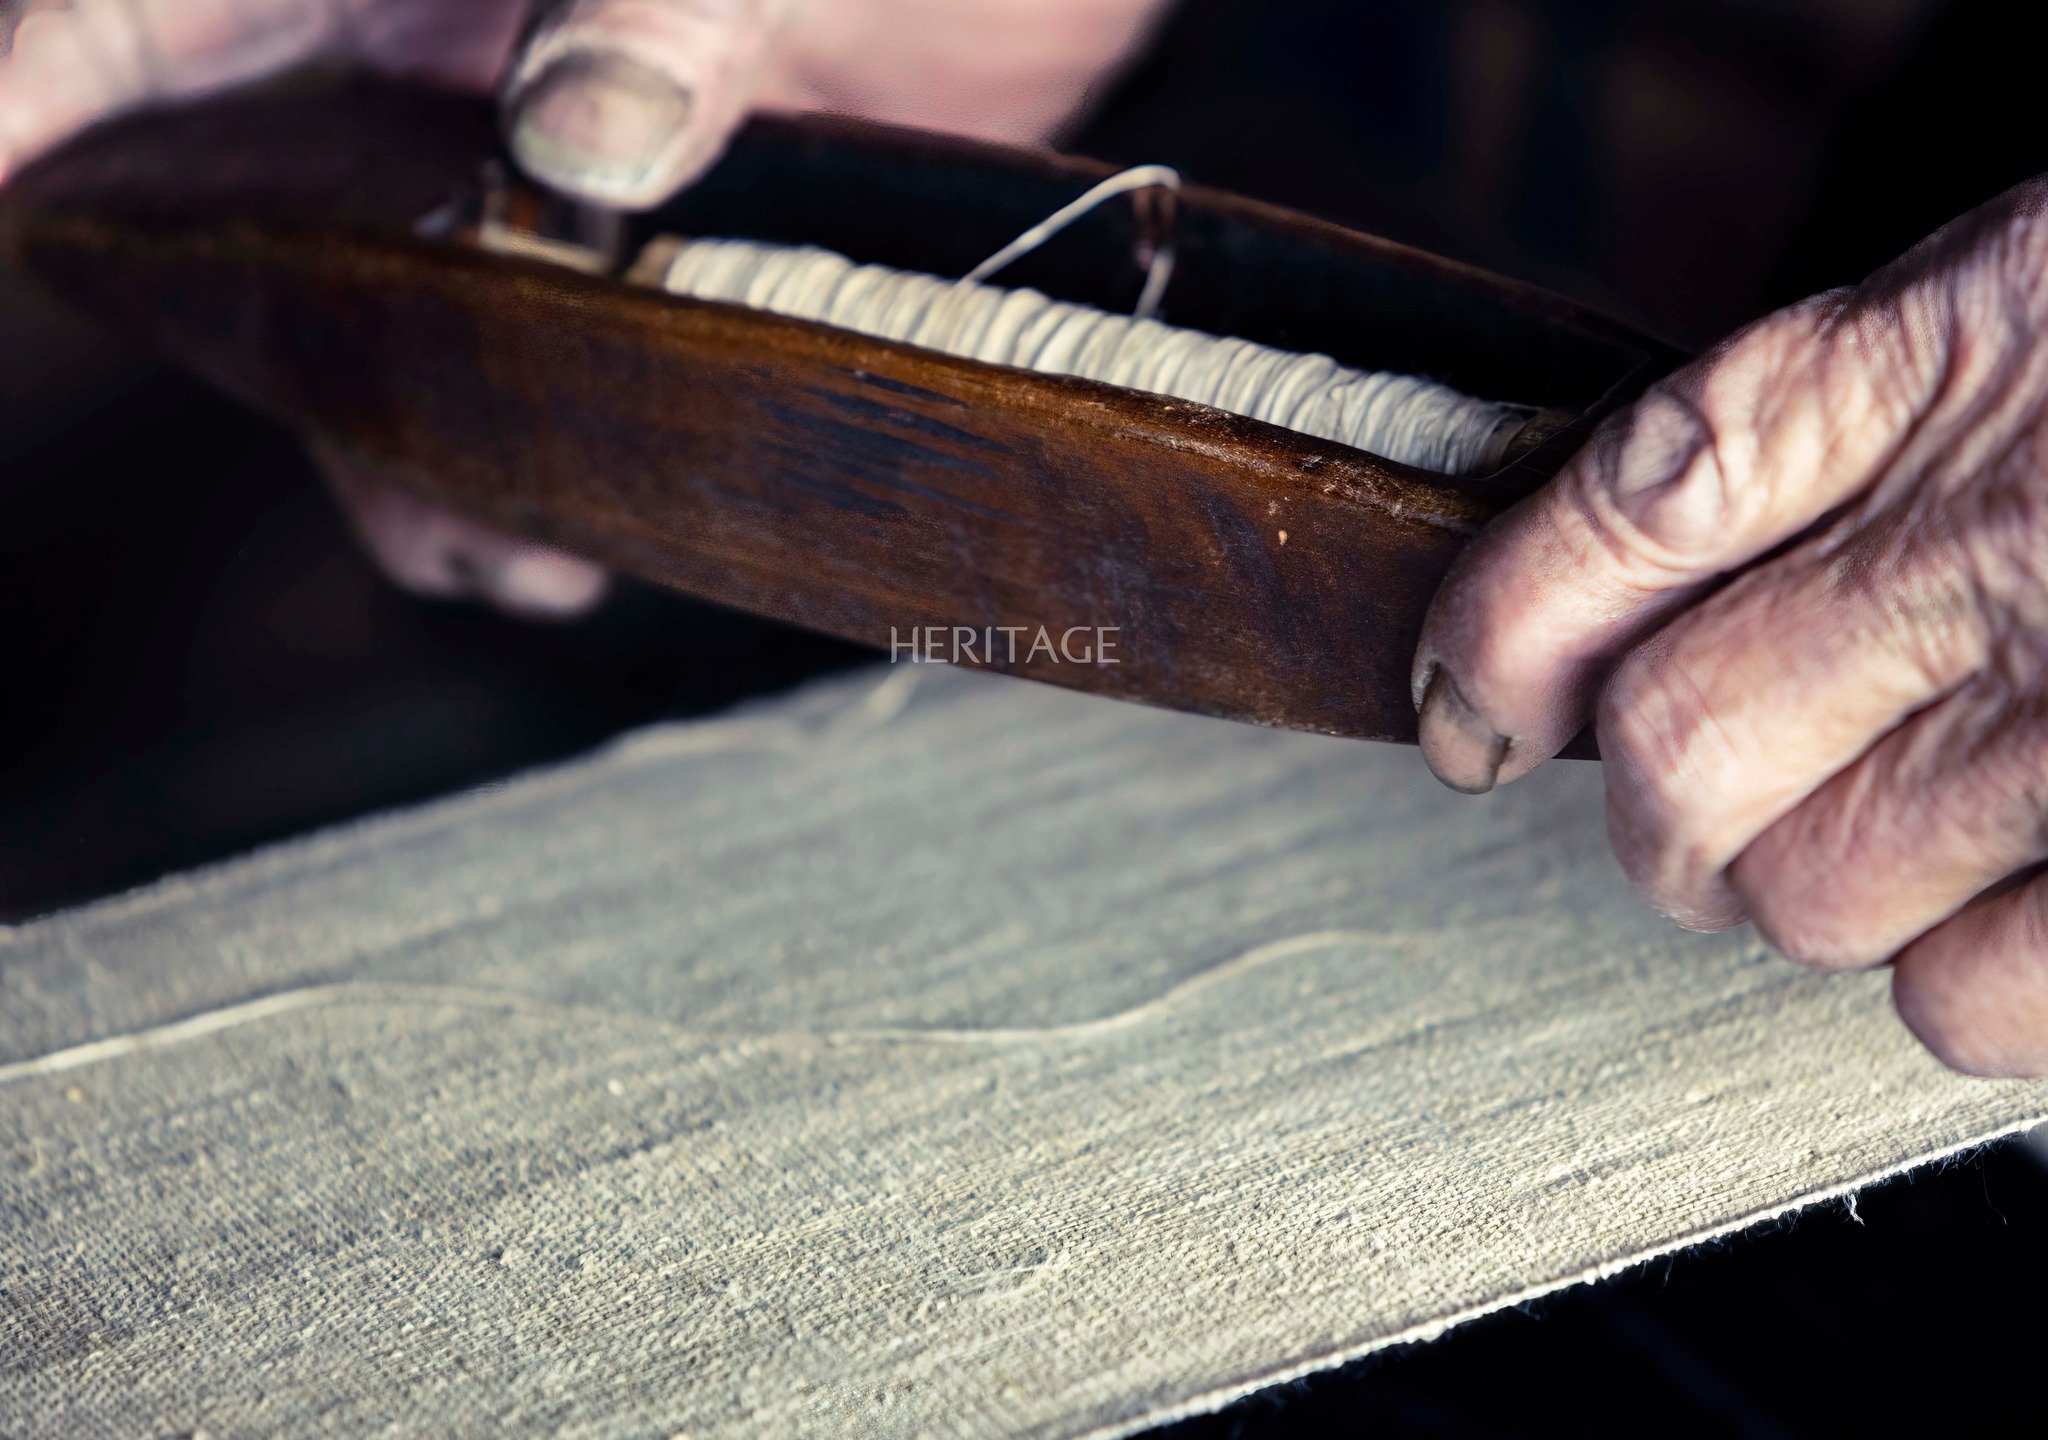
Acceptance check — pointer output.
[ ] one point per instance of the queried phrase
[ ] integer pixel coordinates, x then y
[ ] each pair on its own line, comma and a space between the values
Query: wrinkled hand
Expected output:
623, 102
1804, 584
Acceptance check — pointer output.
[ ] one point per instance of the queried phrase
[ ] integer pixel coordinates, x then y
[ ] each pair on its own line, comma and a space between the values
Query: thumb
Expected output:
1715, 467
624, 102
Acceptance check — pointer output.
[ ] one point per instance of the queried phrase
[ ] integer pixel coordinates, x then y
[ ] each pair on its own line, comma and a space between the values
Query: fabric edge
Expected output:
751, 726
1219, 1397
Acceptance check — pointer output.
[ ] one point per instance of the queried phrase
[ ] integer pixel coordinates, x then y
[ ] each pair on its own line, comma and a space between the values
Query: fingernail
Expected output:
598, 124
547, 584
1462, 749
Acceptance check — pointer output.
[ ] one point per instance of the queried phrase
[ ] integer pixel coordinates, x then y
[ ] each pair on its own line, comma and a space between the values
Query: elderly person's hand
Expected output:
618, 101
1804, 587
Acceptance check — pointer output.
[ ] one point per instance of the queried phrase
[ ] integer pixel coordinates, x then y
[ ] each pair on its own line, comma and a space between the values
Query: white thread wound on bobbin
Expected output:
1401, 417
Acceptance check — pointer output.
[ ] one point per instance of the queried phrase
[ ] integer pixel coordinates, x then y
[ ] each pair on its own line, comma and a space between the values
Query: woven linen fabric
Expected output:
933, 1056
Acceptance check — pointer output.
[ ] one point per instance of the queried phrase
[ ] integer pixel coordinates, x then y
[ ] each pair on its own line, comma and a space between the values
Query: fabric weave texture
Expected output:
933, 1055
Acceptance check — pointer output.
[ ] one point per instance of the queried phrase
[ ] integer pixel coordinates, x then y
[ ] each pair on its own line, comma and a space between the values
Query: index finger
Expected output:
74, 66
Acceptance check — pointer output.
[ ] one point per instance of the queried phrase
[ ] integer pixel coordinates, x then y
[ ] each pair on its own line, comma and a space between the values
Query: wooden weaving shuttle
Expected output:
275, 243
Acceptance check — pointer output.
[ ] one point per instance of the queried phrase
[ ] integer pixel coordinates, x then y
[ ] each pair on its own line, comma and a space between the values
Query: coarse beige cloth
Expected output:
933, 1055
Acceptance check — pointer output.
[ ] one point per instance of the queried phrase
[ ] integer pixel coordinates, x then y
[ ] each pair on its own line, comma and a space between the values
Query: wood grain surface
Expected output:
851, 485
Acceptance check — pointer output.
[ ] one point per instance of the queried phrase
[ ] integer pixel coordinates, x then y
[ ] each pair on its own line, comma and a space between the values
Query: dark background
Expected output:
196, 660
